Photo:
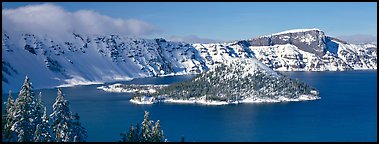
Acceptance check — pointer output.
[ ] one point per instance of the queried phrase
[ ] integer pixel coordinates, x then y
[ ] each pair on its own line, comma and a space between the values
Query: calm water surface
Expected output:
346, 112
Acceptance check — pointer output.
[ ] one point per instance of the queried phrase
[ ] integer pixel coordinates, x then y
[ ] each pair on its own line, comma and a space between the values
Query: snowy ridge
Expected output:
92, 59
288, 57
95, 59
303, 50
296, 31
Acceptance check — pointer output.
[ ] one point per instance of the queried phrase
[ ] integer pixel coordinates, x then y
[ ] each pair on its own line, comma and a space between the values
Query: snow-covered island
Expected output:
240, 81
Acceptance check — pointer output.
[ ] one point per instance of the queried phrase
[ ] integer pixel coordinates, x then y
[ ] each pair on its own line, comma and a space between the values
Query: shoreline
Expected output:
117, 81
201, 101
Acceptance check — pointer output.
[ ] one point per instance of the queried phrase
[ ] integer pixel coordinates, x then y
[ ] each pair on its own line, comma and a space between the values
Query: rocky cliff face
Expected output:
296, 50
308, 40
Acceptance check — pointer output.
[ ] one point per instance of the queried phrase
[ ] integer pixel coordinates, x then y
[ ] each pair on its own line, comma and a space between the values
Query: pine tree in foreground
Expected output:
78, 132
125, 137
23, 114
157, 133
146, 128
61, 119
137, 134
25, 119
144, 133
43, 130
8, 120
38, 117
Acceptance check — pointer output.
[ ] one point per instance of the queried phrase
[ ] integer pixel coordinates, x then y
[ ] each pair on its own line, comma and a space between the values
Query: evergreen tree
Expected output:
43, 130
133, 135
39, 110
79, 134
157, 133
146, 128
137, 134
24, 113
144, 133
130, 136
124, 137
61, 119
7, 119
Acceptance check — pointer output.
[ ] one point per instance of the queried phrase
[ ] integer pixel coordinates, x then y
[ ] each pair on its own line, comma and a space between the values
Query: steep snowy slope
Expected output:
296, 50
89, 59
85, 59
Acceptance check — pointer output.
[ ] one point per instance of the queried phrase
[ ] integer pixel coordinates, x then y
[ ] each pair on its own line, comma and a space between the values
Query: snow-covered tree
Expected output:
43, 130
7, 119
144, 133
130, 136
137, 134
38, 109
24, 112
78, 132
61, 119
25, 119
38, 118
146, 128
134, 134
125, 136
157, 133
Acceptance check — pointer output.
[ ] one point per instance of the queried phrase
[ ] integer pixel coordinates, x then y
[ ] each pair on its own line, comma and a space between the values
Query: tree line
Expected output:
25, 119
226, 82
146, 132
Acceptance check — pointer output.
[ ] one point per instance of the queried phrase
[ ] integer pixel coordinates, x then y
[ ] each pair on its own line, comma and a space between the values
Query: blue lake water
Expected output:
346, 112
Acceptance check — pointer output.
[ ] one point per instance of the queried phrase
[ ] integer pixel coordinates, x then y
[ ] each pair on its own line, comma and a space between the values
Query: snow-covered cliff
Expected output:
85, 59
296, 50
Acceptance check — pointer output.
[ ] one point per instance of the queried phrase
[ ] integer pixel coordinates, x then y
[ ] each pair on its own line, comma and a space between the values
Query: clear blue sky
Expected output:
240, 20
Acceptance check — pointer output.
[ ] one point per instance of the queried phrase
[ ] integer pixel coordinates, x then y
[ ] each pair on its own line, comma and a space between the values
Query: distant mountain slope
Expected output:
86, 59
296, 50
81, 59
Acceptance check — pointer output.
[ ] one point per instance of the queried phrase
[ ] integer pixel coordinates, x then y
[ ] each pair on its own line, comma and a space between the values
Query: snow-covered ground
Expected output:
296, 31
130, 88
94, 59
202, 101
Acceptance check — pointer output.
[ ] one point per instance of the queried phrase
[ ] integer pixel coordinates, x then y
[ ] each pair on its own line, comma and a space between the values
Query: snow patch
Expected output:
78, 81
202, 101
296, 31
